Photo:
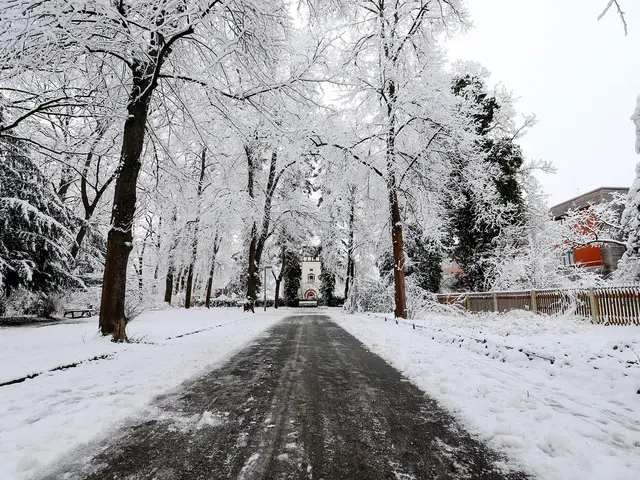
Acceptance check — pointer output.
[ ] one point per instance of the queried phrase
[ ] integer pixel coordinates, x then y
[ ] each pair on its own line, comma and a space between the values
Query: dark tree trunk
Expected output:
156, 268
171, 267
398, 252
66, 181
119, 242
394, 205
168, 289
216, 247
252, 278
252, 274
350, 263
209, 287
277, 294
75, 248
280, 276
183, 278
90, 206
258, 240
266, 214
112, 319
196, 232
187, 296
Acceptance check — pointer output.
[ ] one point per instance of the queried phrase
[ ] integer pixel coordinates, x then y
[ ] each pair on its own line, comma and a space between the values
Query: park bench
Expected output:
78, 312
308, 303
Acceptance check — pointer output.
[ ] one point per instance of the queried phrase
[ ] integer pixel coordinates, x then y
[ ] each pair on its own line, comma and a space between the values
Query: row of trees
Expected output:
173, 149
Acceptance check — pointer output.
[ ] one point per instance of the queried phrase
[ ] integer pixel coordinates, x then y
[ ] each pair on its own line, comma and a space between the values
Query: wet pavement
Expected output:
308, 401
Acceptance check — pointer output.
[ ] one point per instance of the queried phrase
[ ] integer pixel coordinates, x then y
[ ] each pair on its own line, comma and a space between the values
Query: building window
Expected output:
567, 259
311, 269
311, 278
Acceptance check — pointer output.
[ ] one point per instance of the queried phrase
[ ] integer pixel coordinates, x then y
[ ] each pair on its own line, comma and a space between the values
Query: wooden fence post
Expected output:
534, 301
495, 302
467, 303
595, 309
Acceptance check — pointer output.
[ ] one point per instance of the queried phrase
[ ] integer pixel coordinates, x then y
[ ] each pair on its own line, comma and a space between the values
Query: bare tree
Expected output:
195, 227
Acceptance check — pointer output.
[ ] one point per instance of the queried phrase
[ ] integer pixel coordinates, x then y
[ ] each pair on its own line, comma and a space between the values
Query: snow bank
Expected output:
44, 417
558, 395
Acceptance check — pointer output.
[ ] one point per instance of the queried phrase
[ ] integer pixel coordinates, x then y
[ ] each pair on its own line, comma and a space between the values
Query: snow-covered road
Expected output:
306, 402
46, 416
559, 395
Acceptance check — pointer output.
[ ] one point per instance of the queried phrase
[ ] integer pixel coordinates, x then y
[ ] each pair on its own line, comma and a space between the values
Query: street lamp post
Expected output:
266, 267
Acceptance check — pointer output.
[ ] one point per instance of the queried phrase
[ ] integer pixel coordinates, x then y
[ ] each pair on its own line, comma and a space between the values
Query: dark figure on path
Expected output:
249, 305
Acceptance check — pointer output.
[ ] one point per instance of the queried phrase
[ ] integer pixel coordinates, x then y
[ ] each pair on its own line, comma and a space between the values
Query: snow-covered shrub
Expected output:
370, 296
136, 304
22, 302
50, 305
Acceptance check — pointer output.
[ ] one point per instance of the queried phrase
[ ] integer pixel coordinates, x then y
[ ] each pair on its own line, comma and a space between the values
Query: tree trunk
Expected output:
75, 248
216, 246
209, 286
398, 252
183, 279
350, 265
277, 294
140, 266
258, 241
119, 242
196, 232
156, 268
168, 289
187, 295
394, 207
90, 207
66, 181
252, 278
252, 274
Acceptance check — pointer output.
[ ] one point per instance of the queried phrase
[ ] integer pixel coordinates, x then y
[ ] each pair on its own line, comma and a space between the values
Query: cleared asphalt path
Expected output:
307, 402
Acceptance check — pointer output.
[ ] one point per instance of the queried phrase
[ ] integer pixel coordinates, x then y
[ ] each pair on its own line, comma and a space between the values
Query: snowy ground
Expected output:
48, 415
558, 395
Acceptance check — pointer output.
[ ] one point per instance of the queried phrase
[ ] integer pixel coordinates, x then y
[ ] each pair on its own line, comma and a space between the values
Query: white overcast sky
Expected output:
580, 76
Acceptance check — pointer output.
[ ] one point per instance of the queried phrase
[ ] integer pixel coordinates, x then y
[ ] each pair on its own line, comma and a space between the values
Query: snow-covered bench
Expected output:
308, 303
79, 312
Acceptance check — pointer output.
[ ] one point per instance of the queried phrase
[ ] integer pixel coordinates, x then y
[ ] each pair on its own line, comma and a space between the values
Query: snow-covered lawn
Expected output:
46, 416
558, 395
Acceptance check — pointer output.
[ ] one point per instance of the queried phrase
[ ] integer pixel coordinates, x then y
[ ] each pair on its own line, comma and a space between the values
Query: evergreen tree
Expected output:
293, 276
426, 257
629, 265
424, 265
472, 234
35, 227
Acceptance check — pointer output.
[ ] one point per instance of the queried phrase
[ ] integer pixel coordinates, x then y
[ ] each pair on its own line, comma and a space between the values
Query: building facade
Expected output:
601, 259
310, 281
